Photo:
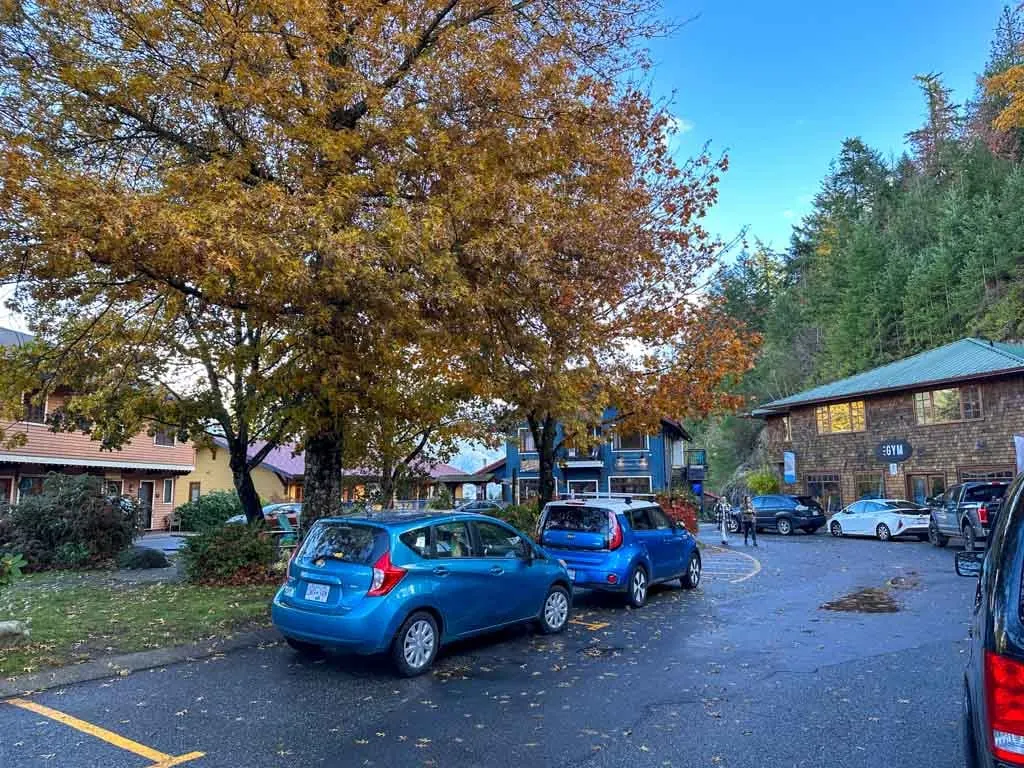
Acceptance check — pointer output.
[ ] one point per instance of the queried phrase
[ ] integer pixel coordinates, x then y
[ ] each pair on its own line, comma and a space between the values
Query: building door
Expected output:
146, 500
920, 488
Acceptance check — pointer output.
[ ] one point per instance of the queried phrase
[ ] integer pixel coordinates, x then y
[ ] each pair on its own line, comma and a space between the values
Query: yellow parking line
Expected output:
160, 759
593, 626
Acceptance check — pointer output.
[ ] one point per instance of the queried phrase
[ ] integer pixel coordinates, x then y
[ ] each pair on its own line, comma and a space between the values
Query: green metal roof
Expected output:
965, 359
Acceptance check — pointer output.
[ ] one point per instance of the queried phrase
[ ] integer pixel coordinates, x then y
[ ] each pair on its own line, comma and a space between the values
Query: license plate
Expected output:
317, 592
572, 574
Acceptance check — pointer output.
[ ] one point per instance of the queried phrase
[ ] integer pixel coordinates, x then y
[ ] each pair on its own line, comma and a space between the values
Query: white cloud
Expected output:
680, 125
787, 214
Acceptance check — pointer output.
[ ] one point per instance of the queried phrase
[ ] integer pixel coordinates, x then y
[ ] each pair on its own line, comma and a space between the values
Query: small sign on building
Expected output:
789, 467
893, 451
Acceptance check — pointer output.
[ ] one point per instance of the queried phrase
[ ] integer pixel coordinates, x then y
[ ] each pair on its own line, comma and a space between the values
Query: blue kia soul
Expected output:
406, 583
619, 544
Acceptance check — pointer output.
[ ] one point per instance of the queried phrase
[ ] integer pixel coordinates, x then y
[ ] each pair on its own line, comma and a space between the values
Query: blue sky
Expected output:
780, 84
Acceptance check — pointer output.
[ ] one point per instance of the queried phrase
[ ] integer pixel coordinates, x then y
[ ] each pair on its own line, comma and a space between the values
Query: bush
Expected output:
763, 481
142, 558
232, 554
71, 524
209, 511
443, 500
523, 516
10, 569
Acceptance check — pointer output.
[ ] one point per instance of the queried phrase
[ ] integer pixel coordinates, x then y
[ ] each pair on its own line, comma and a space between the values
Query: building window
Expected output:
825, 487
985, 473
30, 486
6, 489
529, 489
630, 441
942, 406
787, 429
193, 491
34, 413
582, 486
113, 487
163, 437
168, 491
637, 484
526, 444
840, 417
870, 485
926, 486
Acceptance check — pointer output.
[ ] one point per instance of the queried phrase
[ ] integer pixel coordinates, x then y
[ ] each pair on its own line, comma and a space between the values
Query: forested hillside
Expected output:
898, 255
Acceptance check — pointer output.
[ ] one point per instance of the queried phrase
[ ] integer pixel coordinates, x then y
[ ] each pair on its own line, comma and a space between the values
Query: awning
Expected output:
18, 458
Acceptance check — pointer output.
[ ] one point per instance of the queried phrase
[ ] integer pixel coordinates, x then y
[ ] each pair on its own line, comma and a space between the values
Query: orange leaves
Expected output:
1010, 85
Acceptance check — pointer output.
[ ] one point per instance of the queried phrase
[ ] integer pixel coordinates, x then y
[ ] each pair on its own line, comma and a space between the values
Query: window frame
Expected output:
787, 429
156, 435
428, 554
165, 497
26, 402
662, 524
478, 542
826, 409
29, 477
522, 444
10, 493
197, 487
859, 476
648, 478
470, 541
631, 514
617, 443
930, 393
519, 487
974, 474
822, 478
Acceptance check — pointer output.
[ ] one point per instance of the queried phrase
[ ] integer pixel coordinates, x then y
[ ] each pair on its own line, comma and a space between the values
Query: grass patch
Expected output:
75, 623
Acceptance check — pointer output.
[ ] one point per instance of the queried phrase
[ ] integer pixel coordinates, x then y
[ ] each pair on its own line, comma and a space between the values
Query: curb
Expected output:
124, 664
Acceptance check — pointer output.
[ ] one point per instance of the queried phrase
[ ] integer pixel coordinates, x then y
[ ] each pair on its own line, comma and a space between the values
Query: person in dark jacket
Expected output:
749, 521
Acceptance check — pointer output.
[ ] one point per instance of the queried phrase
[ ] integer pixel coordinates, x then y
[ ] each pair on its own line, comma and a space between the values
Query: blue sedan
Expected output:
405, 584
619, 544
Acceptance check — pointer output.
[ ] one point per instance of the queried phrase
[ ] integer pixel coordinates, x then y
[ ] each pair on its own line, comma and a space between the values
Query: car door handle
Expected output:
497, 570
441, 571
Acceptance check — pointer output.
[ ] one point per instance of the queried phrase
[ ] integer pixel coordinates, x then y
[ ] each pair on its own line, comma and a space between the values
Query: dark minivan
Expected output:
993, 718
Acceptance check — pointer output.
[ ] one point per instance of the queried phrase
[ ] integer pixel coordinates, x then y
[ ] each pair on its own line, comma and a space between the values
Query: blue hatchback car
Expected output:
406, 583
619, 544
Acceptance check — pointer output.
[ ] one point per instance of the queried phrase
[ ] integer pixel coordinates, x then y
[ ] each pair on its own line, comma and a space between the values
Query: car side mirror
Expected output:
969, 563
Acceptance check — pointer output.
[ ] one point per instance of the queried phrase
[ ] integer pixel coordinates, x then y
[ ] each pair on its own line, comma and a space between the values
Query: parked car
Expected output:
482, 506
882, 518
993, 684
405, 584
966, 510
293, 509
619, 545
788, 513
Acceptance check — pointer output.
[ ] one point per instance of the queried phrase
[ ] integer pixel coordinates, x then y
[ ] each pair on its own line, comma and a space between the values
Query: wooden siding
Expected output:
213, 473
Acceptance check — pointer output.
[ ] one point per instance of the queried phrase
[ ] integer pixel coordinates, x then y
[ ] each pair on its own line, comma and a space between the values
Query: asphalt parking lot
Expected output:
747, 670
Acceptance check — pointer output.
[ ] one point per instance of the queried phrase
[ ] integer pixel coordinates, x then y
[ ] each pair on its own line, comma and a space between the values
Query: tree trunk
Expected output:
544, 439
387, 485
322, 492
238, 461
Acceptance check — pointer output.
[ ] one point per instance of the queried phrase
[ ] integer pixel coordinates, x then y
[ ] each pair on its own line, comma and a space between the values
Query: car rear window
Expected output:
984, 493
347, 542
582, 519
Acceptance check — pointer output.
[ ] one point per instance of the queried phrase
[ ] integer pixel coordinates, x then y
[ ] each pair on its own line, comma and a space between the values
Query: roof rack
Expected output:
625, 497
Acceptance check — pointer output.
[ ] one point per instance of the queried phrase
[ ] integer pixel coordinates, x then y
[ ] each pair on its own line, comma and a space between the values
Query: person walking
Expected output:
749, 521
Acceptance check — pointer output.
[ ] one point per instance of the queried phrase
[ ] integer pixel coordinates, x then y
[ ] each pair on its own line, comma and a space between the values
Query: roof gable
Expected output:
966, 359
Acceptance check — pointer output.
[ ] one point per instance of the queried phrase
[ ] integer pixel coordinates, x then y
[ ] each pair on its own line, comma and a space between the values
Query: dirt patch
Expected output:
868, 600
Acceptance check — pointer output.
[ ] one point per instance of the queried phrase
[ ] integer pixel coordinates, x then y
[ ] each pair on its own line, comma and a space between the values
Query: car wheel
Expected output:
785, 526
312, 650
732, 525
554, 617
691, 578
636, 591
970, 539
936, 538
835, 528
415, 645
882, 532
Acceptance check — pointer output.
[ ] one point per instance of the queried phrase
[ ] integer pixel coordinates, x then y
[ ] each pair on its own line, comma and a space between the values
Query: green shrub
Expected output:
763, 481
142, 558
209, 510
443, 500
10, 569
232, 554
523, 516
72, 523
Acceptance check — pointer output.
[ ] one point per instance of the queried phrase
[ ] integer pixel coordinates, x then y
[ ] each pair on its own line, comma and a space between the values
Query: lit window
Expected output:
841, 417
526, 444
787, 429
942, 406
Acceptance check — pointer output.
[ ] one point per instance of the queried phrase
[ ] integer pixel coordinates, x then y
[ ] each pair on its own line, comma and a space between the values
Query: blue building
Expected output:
625, 463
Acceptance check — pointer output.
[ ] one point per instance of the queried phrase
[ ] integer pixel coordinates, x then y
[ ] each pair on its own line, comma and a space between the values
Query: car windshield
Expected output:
984, 493
901, 504
582, 519
347, 542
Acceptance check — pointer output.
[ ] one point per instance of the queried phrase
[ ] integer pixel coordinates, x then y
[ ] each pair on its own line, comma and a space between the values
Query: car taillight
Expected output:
983, 515
385, 576
614, 532
288, 568
1004, 697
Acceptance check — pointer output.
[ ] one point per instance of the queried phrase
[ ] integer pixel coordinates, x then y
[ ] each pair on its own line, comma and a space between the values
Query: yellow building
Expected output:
278, 478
